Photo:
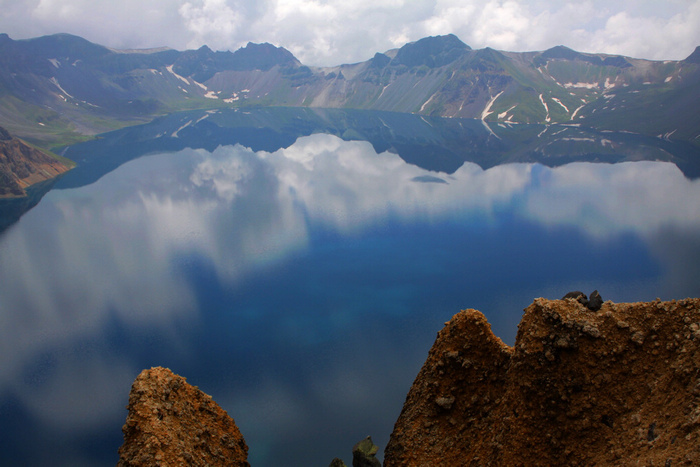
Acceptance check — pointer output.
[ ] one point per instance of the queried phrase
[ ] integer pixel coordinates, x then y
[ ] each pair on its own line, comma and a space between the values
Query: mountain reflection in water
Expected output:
301, 285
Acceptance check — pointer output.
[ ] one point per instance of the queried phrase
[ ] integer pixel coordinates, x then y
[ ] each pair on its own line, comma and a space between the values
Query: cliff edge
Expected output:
620, 386
171, 423
22, 165
616, 386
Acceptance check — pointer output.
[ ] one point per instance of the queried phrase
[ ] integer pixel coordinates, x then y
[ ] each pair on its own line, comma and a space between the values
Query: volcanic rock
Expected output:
595, 301
22, 165
617, 387
363, 454
171, 423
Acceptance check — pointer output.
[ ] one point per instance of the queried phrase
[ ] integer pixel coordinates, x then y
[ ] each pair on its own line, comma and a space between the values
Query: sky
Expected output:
332, 32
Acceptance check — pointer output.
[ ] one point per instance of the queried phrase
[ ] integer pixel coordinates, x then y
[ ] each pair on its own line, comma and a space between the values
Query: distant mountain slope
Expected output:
54, 88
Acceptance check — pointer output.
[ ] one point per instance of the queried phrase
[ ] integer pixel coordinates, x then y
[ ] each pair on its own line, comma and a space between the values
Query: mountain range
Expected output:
58, 89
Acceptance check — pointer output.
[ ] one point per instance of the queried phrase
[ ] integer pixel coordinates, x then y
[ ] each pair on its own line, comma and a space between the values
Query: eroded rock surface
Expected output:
22, 165
616, 387
171, 423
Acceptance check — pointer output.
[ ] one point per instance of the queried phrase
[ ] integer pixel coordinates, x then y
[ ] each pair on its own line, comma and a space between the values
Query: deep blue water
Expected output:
302, 287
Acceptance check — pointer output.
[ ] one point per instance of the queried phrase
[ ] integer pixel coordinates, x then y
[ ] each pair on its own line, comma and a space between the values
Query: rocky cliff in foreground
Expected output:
616, 386
171, 423
620, 386
22, 165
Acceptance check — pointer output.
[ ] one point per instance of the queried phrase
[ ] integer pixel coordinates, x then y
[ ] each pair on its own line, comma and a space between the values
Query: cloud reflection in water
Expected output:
110, 252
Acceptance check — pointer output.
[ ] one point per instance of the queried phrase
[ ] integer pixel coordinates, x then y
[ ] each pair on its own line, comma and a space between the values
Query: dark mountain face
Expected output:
262, 57
564, 53
379, 61
202, 64
431, 51
59, 46
694, 57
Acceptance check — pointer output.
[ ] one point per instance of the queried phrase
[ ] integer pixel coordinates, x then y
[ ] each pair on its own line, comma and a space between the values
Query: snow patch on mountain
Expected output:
581, 85
422, 107
384, 89
547, 118
487, 110
175, 133
502, 115
578, 139
667, 136
54, 81
560, 103
170, 69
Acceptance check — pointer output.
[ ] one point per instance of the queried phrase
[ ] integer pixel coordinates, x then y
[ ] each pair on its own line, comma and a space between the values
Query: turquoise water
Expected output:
300, 286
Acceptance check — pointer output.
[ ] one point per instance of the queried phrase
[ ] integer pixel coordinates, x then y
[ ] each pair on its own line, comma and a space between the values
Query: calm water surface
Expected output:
302, 287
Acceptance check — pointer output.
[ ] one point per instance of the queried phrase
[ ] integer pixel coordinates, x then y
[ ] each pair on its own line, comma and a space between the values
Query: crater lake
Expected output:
296, 265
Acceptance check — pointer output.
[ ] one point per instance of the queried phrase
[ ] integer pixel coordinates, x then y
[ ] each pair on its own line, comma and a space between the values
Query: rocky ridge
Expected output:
617, 386
172, 423
56, 89
22, 165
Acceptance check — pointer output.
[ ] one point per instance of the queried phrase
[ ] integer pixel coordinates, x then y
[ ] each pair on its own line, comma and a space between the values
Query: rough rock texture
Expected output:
171, 423
22, 165
363, 454
616, 387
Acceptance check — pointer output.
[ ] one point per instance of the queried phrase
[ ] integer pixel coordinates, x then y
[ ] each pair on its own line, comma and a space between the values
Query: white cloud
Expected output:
331, 32
210, 22
652, 37
604, 199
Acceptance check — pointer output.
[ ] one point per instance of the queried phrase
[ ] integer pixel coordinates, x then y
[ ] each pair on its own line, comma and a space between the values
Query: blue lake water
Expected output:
300, 285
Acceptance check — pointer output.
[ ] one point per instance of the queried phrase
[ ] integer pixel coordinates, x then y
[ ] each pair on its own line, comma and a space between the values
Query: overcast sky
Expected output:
331, 32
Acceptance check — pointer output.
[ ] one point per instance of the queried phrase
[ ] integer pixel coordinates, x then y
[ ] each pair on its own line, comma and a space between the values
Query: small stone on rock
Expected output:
363, 454
595, 302
577, 295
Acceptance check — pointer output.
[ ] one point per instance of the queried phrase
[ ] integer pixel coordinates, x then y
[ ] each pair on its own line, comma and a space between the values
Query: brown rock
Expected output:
577, 388
451, 404
22, 165
171, 423
364, 452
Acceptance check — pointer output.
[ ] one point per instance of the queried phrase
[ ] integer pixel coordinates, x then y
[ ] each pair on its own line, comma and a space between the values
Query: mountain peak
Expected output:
63, 45
433, 51
561, 52
262, 57
694, 57
4, 134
